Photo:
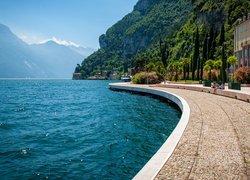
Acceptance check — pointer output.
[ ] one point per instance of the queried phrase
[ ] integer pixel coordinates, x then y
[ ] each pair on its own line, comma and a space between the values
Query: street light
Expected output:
207, 45
145, 60
224, 44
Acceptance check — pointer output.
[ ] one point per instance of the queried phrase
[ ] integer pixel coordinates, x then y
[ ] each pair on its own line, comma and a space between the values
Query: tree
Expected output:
196, 53
223, 58
170, 69
176, 68
208, 67
164, 52
232, 60
198, 68
204, 53
151, 67
210, 42
78, 68
159, 68
217, 64
186, 62
213, 46
140, 62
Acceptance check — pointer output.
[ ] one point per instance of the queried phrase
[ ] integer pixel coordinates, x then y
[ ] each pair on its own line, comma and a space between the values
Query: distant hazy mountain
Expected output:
15, 57
47, 60
60, 59
82, 50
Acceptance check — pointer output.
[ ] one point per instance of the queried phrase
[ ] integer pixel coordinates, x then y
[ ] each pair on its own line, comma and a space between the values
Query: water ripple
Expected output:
63, 129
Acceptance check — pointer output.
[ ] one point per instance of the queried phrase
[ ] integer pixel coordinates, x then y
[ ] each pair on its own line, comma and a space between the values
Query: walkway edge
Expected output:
154, 165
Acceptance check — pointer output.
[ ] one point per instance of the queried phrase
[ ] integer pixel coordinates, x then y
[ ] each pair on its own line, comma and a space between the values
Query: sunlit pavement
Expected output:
215, 143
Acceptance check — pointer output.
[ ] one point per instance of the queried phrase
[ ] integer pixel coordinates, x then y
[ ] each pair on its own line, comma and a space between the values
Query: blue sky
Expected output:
79, 21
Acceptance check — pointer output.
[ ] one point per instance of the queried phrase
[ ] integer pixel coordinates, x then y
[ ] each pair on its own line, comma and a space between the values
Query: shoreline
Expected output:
215, 142
154, 165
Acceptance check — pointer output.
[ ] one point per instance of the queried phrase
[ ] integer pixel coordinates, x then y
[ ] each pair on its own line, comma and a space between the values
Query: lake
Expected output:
78, 130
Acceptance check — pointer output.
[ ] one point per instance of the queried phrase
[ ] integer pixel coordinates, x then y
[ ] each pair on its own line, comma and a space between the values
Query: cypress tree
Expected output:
204, 54
198, 68
210, 42
196, 53
213, 47
223, 58
164, 52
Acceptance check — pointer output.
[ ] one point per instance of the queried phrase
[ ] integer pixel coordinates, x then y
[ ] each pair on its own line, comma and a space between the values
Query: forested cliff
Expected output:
167, 30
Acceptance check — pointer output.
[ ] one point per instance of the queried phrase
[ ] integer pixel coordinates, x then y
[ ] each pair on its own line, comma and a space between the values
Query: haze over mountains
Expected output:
46, 60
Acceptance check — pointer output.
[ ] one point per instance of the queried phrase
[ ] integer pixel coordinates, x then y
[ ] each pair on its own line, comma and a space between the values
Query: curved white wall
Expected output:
154, 165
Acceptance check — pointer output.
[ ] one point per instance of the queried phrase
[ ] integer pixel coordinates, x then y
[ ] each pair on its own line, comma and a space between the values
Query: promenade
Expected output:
216, 141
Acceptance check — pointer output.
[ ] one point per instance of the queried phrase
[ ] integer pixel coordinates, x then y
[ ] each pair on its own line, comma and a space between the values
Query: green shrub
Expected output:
139, 78
144, 78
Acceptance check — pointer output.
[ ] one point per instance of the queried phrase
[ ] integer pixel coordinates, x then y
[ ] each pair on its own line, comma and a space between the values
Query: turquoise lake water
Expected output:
78, 130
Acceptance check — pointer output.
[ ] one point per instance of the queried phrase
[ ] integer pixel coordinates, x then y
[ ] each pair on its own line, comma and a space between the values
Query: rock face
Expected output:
149, 20
102, 41
125, 36
144, 5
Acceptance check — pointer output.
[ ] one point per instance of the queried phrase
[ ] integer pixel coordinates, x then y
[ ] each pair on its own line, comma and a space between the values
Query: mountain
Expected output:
60, 60
84, 51
145, 25
170, 25
15, 57
46, 60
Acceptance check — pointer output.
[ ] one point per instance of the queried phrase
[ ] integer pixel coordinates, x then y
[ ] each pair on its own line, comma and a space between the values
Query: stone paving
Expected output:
216, 141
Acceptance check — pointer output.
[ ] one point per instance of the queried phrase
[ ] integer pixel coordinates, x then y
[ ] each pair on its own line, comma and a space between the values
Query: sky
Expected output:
77, 21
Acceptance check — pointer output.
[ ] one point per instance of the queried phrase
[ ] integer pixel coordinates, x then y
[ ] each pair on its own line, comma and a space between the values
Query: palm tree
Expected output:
218, 65
208, 67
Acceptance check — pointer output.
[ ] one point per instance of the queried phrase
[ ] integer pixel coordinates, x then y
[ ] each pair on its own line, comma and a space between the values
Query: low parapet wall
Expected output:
154, 165
231, 94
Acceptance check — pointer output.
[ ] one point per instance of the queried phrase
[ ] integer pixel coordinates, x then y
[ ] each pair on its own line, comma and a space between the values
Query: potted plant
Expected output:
232, 60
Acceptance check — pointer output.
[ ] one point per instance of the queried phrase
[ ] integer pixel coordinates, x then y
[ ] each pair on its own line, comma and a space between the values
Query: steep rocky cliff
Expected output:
127, 43
149, 20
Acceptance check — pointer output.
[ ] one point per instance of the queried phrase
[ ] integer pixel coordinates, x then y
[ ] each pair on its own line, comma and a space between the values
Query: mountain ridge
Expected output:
166, 29
20, 60
145, 25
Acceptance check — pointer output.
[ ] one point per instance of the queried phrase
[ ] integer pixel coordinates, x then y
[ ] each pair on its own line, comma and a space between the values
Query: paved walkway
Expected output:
245, 90
216, 141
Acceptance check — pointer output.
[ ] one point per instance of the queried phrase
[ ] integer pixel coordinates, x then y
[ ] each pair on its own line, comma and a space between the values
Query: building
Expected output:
242, 42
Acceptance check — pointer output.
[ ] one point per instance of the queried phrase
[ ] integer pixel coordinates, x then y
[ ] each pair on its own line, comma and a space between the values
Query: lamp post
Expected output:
207, 45
224, 44
145, 61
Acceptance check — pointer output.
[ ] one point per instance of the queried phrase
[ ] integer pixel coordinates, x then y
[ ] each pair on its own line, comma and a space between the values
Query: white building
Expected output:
242, 42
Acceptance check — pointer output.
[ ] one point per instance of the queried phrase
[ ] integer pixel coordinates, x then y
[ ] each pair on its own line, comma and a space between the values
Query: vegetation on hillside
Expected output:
170, 37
